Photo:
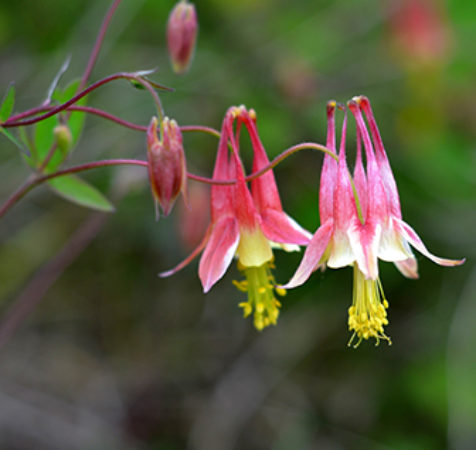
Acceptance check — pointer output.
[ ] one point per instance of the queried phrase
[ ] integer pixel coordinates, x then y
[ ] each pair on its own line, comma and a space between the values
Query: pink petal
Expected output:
365, 242
219, 252
245, 210
408, 267
341, 252
329, 168
345, 211
277, 226
312, 255
360, 179
410, 235
382, 160
221, 195
264, 189
393, 247
377, 198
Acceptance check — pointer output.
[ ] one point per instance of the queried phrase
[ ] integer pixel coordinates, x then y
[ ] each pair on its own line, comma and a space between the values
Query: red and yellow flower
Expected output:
245, 224
361, 222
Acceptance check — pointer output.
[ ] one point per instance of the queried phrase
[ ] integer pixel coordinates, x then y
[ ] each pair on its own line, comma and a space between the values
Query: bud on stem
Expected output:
182, 28
166, 158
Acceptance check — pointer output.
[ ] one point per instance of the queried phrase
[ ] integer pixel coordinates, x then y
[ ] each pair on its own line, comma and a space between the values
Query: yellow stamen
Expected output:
261, 286
367, 315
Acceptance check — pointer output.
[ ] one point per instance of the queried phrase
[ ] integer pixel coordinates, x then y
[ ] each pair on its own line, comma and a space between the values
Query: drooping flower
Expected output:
244, 225
366, 225
167, 168
397, 235
182, 28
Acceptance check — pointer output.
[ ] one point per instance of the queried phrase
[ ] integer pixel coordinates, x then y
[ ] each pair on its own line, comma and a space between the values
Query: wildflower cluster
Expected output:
360, 215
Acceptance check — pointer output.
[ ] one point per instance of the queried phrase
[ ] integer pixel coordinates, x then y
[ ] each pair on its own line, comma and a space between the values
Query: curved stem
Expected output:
14, 122
155, 96
290, 151
200, 128
34, 181
108, 116
118, 120
97, 45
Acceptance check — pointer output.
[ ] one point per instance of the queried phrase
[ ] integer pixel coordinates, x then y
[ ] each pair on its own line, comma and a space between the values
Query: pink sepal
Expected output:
412, 237
219, 252
408, 267
277, 226
313, 254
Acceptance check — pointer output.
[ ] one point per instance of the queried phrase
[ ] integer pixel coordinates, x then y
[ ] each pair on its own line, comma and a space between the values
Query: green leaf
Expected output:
7, 103
137, 85
78, 191
43, 140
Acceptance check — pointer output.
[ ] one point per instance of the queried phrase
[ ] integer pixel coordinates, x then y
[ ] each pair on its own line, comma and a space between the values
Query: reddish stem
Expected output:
13, 122
31, 182
97, 45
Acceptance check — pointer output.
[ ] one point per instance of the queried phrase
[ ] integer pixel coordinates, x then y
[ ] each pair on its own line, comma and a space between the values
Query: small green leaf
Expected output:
44, 139
7, 103
78, 191
137, 85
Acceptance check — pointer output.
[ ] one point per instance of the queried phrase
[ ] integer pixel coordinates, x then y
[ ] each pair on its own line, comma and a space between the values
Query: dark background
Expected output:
113, 357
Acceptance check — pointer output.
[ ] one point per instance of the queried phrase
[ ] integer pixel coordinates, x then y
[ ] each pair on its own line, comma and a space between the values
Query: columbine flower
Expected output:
363, 228
244, 226
182, 28
167, 169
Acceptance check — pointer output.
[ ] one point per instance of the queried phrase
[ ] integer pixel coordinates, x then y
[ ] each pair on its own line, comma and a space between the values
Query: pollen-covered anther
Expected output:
368, 313
261, 289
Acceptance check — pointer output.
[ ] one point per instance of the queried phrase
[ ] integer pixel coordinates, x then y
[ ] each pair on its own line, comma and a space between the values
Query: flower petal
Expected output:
360, 179
410, 235
392, 246
278, 227
345, 211
312, 255
377, 199
329, 168
341, 254
408, 267
219, 252
263, 189
382, 160
221, 195
365, 244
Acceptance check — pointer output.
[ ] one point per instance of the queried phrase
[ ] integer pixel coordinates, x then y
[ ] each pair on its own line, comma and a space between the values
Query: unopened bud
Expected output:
63, 137
167, 169
182, 30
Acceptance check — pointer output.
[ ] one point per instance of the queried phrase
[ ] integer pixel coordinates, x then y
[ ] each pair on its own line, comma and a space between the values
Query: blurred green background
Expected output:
109, 356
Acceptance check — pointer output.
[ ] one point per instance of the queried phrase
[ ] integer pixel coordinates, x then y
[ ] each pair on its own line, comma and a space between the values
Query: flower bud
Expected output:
63, 138
167, 170
182, 30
